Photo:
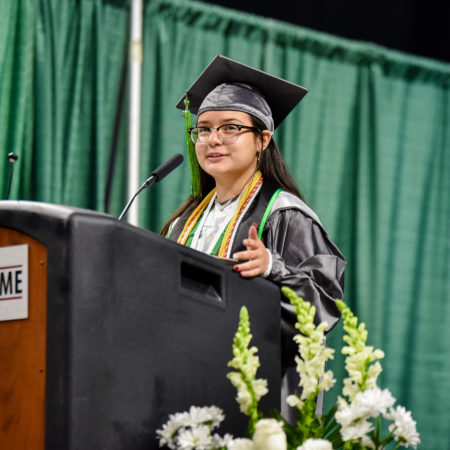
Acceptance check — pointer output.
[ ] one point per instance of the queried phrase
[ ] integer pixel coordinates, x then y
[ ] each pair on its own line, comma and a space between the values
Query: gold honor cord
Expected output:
193, 218
244, 202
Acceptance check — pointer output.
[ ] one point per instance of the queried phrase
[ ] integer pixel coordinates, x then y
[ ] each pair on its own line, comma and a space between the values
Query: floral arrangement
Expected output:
354, 423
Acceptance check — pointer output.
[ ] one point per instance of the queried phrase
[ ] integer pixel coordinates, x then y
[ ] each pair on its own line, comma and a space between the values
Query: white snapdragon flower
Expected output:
260, 387
327, 381
269, 435
246, 362
404, 427
316, 444
361, 361
311, 369
294, 401
360, 377
314, 354
243, 396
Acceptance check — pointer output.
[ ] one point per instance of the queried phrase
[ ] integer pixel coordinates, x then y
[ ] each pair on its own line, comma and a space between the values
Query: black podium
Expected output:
124, 327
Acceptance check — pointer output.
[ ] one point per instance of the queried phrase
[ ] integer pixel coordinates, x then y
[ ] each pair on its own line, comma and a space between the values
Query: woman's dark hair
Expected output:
271, 165
207, 184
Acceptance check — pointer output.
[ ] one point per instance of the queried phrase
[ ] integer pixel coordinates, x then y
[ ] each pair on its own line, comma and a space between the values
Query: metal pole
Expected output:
134, 123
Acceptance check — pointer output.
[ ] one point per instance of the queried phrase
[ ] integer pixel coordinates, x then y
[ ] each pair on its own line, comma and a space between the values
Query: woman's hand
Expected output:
256, 256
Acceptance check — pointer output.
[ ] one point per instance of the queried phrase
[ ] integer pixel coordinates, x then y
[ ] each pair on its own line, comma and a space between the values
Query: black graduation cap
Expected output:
281, 95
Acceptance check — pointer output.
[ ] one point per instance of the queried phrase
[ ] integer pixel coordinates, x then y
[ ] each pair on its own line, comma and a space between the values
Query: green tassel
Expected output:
196, 190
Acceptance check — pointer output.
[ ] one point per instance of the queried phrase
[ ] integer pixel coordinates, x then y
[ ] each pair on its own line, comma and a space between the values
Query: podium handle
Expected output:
202, 283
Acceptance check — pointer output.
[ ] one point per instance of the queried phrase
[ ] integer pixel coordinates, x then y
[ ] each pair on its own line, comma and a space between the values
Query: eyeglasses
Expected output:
228, 132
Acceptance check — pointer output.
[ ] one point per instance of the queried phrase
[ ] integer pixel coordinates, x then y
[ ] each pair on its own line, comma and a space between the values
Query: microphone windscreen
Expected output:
167, 167
12, 157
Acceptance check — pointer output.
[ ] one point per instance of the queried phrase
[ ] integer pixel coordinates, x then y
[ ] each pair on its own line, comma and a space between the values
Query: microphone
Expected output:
164, 169
157, 175
12, 158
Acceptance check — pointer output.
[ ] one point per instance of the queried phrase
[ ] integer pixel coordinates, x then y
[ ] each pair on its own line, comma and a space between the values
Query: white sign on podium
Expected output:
14, 282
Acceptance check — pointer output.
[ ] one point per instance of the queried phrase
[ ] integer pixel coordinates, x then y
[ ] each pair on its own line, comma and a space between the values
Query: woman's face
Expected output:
228, 162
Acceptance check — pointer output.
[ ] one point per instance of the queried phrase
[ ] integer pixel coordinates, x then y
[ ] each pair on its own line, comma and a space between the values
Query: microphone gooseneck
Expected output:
157, 175
12, 158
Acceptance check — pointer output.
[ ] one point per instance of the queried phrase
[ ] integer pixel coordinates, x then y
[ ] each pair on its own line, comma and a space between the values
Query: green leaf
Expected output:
328, 419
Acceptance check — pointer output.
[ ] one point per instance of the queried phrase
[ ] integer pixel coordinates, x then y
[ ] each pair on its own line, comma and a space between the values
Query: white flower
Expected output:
361, 361
165, 435
195, 438
373, 402
344, 415
294, 401
246, 362
179, 419
353, 417
205, 415
356, 431
260, 387
370, 403
316, 444
219, 442
269, 435
356, 368
327, 381
404, 426
240, 444
169, 431
192, 429
313, 353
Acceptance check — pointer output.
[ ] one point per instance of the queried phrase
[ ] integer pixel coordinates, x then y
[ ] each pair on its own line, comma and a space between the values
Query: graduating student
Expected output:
244, 204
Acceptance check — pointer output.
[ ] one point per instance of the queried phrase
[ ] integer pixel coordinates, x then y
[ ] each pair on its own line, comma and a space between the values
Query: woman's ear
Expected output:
266, 136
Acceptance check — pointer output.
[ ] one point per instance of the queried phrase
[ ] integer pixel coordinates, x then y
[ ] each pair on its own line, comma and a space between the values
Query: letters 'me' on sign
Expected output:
14, 282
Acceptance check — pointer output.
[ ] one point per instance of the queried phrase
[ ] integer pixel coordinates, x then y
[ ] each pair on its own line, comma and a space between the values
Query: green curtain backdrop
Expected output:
369, 145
